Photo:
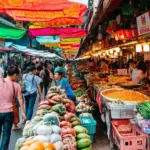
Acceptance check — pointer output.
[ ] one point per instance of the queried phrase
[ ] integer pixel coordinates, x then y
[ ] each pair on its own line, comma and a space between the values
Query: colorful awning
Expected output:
10, 32
62, 32
42, 10
48, 39
58, 22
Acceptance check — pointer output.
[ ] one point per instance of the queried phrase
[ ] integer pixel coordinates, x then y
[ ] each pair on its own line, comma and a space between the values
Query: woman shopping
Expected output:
9, 91
32, 85
63, 83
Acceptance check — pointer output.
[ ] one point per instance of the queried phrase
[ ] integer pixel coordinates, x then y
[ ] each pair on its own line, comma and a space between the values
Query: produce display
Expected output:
83, 139
144, 109
54, 126
125, 95
118, 79
80, 92
83, 106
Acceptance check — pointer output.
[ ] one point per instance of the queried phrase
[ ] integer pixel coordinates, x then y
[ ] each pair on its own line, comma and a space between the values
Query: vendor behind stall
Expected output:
104, 66
139, 72
63, 83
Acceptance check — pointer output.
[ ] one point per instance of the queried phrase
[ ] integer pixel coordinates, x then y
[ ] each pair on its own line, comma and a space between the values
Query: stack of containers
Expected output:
90, 124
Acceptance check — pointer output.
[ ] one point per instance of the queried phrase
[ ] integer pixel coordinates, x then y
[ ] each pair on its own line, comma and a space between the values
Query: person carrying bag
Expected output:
9, 91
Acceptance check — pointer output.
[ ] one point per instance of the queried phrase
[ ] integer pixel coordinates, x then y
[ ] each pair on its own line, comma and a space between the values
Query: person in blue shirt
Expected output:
60, 68
63, 83
32, 86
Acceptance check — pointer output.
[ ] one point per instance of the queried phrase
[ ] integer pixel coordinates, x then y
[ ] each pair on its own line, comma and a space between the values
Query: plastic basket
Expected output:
121, 111
92, 137
135, 140
89, 123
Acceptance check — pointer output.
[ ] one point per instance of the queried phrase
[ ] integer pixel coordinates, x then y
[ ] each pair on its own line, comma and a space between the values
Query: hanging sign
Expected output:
143, 23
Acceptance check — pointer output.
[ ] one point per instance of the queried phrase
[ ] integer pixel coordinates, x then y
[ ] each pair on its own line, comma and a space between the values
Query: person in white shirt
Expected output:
139, 72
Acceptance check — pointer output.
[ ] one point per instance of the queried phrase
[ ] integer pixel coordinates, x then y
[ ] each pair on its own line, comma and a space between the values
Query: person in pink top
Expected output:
9, 91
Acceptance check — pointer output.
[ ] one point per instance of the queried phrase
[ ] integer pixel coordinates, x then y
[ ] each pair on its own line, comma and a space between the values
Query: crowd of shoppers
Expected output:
22, 89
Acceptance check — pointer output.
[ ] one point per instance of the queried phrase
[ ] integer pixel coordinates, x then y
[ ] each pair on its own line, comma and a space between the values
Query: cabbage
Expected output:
44, 130
55, 138
51, 119
56, 129
42, 138
19, 143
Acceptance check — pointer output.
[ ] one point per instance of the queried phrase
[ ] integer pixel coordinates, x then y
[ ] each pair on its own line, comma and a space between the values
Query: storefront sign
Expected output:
143, 23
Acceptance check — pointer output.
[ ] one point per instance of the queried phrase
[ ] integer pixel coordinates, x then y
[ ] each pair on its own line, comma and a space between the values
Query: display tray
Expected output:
128, 93
130, 86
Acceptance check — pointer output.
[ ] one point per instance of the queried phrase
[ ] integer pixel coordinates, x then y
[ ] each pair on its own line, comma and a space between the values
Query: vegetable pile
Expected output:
79, 92
53, 127
144, 109
83, 139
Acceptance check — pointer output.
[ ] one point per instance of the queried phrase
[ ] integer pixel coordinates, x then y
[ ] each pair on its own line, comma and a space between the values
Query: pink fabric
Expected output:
6, 97
100, 103
62, 32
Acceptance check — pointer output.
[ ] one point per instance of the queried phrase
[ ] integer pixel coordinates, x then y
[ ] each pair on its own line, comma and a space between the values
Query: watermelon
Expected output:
83, 136
83, 143
80, 129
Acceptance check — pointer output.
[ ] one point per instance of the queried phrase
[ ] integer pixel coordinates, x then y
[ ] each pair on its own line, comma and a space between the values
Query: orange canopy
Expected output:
45, 14
35, 4
57, 23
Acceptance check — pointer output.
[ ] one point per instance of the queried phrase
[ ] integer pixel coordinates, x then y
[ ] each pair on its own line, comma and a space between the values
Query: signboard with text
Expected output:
143, 23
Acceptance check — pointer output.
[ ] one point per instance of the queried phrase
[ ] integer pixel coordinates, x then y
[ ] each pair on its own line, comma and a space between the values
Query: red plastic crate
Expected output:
135, 140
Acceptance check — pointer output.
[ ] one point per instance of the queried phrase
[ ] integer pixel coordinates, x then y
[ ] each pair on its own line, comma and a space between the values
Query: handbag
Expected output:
15, 106
14, 97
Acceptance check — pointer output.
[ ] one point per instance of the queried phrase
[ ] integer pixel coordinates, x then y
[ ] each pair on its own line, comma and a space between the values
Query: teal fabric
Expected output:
48, 39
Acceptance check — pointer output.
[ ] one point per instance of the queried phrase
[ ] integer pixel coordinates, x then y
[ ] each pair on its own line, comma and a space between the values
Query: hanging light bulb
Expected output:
115, 54
146, 47
138, 48
104, 54
107, 52
118, 49
111, 51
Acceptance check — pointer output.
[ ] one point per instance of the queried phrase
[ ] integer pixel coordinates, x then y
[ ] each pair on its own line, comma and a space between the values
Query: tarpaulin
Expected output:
11, 33
58, 22
62, 32
70, 39
75, 42
42, 10
48, 39
46, 5
53, 45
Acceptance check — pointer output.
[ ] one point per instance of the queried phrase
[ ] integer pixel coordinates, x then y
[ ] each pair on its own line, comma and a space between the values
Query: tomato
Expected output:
68, 131
65, 124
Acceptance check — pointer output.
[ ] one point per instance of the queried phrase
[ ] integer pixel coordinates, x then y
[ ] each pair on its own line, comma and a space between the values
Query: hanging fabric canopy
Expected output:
48, 39
7, 32
58, 22
71, 40
42, 10
62, 32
